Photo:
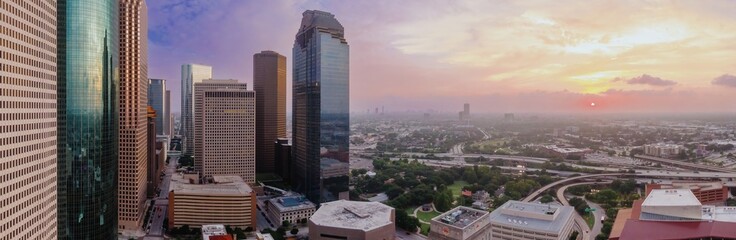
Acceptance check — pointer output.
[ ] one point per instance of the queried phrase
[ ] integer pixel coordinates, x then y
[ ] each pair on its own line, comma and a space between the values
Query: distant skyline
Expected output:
530, 56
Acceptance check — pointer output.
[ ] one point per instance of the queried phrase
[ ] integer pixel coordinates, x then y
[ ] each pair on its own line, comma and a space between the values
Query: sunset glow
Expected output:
535, 56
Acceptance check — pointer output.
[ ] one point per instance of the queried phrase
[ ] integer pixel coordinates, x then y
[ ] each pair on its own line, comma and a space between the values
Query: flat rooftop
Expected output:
223, 186
671, 197
460, 217
534, 216
345, 214
291, 203
209, 231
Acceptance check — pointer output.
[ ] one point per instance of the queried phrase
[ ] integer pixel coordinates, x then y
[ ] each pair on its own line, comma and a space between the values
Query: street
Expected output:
161, 203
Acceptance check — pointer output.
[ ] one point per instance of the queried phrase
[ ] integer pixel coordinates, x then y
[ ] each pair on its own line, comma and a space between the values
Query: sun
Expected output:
592, 104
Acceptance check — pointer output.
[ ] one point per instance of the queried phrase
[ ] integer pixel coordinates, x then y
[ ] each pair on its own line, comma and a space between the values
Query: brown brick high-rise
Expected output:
269, 82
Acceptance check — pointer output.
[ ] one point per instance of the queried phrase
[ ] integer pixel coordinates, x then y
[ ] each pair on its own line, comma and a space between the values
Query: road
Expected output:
403, 235
597, 214
586, 231
535, 194
685, 164
162, 202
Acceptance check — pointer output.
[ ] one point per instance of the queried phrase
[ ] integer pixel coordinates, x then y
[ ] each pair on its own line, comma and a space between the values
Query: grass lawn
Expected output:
457, 187
427, 216
590, 220
410, 210
424, 229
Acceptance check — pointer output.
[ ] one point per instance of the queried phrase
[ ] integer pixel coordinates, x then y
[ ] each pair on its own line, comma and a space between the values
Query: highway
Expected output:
535, 194
685, 164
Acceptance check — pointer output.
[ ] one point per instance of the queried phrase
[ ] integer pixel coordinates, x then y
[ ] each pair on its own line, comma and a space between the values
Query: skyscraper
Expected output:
168, 126
28, 79
87, 118
224, 129
269, 82
133, 113
321, 120
157, 100
190, 74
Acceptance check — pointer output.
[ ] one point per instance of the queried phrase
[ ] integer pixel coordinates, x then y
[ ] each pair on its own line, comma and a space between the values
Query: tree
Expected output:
239, 233
294, 231
574, 235
393, 191
406, 222
443, 200
470, 176
546, 199
285, 224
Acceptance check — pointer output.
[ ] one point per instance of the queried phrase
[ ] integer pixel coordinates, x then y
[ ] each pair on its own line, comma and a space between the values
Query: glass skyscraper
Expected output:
190, 74
87, 119
321, 114
157, 100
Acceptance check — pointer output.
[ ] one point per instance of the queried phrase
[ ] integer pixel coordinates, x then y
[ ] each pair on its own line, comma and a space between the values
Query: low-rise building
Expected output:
674, 214
524, 220
663, 150
461, 223
291, 209
228, 200
215, 232
566, 152
711, 193
353, 220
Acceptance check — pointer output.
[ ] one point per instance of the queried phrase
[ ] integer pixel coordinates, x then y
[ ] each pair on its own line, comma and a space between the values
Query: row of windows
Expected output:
26, 138
23, 93
35, 30
28, 126
27, 105
25, 116
49, 84
25, 61
27, 39
45, 10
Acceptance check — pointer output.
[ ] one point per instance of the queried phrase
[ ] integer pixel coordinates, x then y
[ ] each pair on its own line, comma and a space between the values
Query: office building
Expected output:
524, 220
321, 112
88, 117
168, 119
224, 128
291, 209
190, 74
711, 193
353, 220
28, 151
157, 100
151, 167
674, 214
269, 82
465, 114
461, 223
282, 155
225, 200
133, 111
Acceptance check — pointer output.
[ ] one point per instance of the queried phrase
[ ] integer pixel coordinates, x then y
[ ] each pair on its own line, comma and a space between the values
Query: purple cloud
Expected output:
651, 80
725, 80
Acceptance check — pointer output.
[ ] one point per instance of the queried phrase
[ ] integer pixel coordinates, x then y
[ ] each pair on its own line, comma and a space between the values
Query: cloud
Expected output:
650, 80
725, 80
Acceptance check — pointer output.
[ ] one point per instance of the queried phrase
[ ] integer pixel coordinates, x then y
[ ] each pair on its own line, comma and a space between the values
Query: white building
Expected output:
523, 220
353, 221
289, 208
662, 150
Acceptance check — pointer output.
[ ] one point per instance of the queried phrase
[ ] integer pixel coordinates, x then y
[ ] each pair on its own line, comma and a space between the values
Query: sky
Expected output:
499, 56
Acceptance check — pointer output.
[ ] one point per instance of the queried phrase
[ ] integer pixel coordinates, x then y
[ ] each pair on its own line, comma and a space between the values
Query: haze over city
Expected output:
531, 56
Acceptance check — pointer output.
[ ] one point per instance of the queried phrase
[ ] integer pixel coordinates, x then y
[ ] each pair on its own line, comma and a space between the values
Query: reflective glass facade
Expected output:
321, 118
88, 118
190, 74
157, 100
